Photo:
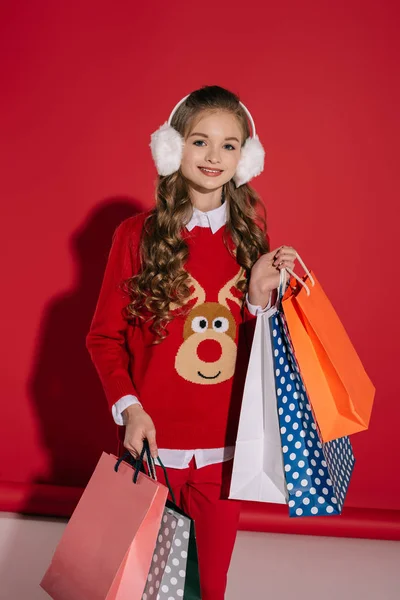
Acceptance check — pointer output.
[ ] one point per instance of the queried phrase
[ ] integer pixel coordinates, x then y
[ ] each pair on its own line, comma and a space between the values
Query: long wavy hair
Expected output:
162, 278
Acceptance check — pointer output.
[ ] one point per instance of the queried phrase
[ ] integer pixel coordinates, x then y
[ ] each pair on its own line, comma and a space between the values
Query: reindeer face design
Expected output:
207, 354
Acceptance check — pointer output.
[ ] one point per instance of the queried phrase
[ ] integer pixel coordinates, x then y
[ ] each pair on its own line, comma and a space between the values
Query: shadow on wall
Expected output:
72, 411
75, 423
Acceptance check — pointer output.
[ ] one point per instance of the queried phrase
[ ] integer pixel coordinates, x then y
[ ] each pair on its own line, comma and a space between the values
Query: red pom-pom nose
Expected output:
209, 351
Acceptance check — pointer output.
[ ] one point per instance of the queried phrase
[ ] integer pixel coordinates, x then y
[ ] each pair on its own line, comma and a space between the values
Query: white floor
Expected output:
264, 566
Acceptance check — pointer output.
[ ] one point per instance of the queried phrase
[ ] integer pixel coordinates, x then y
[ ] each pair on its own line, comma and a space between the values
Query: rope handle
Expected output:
283, 280
307, 272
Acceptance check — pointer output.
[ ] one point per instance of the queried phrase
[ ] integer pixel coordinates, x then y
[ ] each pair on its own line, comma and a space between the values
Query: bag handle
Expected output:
166, 479
139, 466
283, 279
281, 287
137, 463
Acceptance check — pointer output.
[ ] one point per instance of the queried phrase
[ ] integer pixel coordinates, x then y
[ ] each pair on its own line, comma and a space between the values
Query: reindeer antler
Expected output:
198, 293
225, 292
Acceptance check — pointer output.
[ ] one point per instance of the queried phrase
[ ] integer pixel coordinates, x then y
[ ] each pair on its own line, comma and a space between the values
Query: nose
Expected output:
209, 351
213, 155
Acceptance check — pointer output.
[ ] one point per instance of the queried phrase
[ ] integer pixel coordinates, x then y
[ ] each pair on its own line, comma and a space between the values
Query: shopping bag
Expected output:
317, 474
175, 567
175, 570
162, 566
107, 547
192, 580
257, 472
339, 389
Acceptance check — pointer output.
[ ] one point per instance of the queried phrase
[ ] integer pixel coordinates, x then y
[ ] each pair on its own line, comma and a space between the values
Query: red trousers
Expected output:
202, 494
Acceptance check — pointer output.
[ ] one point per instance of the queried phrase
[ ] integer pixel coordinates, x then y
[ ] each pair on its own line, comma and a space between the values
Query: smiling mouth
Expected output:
210, 171
205, 376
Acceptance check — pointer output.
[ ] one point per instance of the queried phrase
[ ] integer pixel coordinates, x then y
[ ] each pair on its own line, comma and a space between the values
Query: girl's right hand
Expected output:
139, 426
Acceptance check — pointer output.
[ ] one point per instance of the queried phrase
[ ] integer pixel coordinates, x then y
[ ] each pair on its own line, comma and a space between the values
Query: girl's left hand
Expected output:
265, 273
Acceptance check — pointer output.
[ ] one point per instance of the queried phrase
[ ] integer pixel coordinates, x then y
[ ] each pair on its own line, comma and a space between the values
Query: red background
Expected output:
83, 86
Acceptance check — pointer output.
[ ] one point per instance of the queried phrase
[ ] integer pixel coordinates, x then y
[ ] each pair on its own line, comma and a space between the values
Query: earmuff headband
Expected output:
246, 110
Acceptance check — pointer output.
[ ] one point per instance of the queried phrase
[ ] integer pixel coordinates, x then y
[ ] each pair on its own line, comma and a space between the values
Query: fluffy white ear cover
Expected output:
166, 148
251, 161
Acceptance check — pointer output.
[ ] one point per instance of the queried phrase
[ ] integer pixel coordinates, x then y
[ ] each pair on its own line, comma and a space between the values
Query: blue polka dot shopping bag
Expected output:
317, 474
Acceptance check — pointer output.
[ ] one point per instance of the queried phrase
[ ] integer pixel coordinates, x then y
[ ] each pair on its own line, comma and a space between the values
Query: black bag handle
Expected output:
138, 465
167, 480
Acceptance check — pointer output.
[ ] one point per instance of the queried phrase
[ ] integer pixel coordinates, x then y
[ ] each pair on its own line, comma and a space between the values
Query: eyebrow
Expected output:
206, 136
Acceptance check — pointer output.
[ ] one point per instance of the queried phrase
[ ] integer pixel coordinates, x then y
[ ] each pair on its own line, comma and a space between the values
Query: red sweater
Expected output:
192, 383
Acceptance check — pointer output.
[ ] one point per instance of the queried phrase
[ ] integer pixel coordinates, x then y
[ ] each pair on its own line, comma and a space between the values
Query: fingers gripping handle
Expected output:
283, 273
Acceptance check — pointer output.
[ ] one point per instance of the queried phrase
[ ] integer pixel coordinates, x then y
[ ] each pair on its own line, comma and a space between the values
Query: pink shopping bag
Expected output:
107, 547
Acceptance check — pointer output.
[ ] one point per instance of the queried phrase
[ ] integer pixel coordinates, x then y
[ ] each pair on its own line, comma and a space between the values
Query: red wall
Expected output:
83, 86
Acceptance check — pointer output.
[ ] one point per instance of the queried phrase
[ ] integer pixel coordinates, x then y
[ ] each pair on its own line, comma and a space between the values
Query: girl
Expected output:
182, 280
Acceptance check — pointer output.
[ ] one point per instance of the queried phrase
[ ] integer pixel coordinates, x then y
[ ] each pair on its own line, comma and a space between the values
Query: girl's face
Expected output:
212, 150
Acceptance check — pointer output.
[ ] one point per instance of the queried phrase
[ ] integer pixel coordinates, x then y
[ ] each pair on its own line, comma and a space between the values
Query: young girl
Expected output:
181, 280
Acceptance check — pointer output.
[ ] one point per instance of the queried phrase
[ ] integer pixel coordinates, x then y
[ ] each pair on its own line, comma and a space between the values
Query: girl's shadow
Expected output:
74, 419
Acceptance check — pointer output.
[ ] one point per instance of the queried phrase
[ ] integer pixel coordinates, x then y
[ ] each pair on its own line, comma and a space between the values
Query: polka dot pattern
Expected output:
166, 577
317, 474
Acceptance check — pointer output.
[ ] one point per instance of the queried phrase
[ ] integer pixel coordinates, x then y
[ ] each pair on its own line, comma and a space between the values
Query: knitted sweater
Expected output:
192, 383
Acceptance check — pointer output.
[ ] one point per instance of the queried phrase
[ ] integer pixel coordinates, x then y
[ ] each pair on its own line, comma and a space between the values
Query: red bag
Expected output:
107, 547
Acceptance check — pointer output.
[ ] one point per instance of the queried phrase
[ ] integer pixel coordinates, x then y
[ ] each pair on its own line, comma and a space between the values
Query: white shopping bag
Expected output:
258, 469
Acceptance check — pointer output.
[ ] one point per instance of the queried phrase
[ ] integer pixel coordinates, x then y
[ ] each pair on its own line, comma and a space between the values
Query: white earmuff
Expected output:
252, 155
167, 148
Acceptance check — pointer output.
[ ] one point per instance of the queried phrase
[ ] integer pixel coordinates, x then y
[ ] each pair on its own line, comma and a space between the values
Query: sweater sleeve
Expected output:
250, 312
106, 341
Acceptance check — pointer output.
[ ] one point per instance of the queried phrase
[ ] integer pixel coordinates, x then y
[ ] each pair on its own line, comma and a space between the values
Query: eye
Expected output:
230, 146
220, 324
198, 142
199, 324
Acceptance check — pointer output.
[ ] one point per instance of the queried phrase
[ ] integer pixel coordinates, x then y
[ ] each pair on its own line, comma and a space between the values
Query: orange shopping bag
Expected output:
340, 391
107, 547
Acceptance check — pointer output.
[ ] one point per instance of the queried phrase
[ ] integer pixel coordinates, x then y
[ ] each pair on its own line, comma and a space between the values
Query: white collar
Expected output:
214, 218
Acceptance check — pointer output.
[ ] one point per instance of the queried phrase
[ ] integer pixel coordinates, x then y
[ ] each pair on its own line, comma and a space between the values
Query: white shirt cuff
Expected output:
255, 309
121, 405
